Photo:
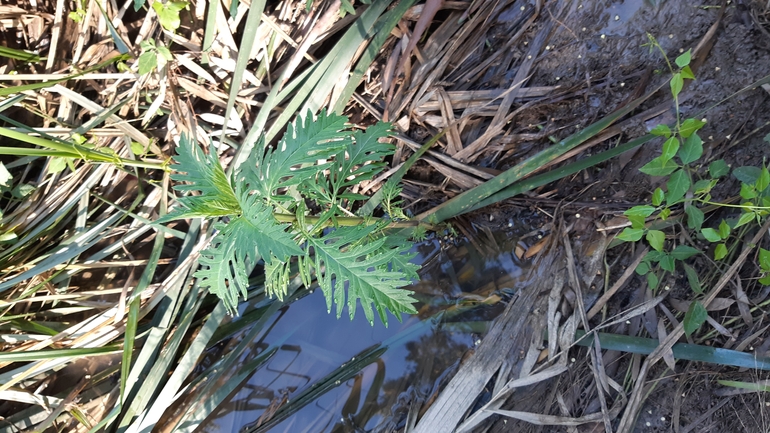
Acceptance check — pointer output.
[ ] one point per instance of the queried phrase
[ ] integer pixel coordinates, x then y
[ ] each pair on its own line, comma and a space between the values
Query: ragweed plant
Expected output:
295, 204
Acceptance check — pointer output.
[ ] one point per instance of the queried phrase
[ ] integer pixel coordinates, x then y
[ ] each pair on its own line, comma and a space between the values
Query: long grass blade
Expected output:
79, 244
210, 31
751, 386
469, 199
533, 182
275, 97
152, 383
128, 346
320, 84
150, 366
244, 52
342, 54
689, 352
314, 85
184, 368
133, 313
381, 32
10, 102
40, 355
35, 86
120, 44
24, 56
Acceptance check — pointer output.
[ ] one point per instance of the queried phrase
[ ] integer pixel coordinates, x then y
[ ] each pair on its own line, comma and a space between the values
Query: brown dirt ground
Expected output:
608, 59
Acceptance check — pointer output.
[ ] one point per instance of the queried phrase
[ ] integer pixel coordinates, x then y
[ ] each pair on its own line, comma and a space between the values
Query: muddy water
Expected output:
341, 376
617, 16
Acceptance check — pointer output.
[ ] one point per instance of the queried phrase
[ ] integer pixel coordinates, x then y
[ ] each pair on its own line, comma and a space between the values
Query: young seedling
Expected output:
153, 56
682, 148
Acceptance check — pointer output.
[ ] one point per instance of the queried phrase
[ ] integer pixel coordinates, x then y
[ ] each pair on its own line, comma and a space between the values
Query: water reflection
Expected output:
330, 375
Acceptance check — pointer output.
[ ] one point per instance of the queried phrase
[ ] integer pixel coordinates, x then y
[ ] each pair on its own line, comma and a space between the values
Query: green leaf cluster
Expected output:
306, 181
681, 149
689, 185
168, 13
657, 262
153, 56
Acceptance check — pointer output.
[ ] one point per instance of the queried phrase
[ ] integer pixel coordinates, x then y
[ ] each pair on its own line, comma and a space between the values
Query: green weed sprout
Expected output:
153, 56
687, 185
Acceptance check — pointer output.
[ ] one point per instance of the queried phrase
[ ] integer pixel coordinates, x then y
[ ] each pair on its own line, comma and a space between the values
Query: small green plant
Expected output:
153, 56
168, 13
79, 14
16, 193
764, 266
294, 205
689, 185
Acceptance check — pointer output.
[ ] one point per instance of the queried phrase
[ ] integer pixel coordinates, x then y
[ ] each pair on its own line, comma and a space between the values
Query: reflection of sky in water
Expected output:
319, 344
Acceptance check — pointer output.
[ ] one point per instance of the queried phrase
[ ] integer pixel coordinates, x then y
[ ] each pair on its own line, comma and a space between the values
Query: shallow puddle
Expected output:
338, 376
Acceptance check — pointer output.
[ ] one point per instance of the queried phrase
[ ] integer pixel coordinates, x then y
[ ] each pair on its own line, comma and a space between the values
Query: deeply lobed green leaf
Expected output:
361, 159
297, 155
238, 246
365, 155
202, 173
372, 272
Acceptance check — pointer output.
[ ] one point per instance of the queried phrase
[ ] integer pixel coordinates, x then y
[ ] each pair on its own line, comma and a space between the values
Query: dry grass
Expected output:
101, 302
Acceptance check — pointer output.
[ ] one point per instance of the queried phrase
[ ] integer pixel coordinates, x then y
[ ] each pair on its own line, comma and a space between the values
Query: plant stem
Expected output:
354, 221
742, 206
87, 155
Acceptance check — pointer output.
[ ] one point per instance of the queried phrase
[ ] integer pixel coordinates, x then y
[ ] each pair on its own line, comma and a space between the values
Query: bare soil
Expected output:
599, 49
